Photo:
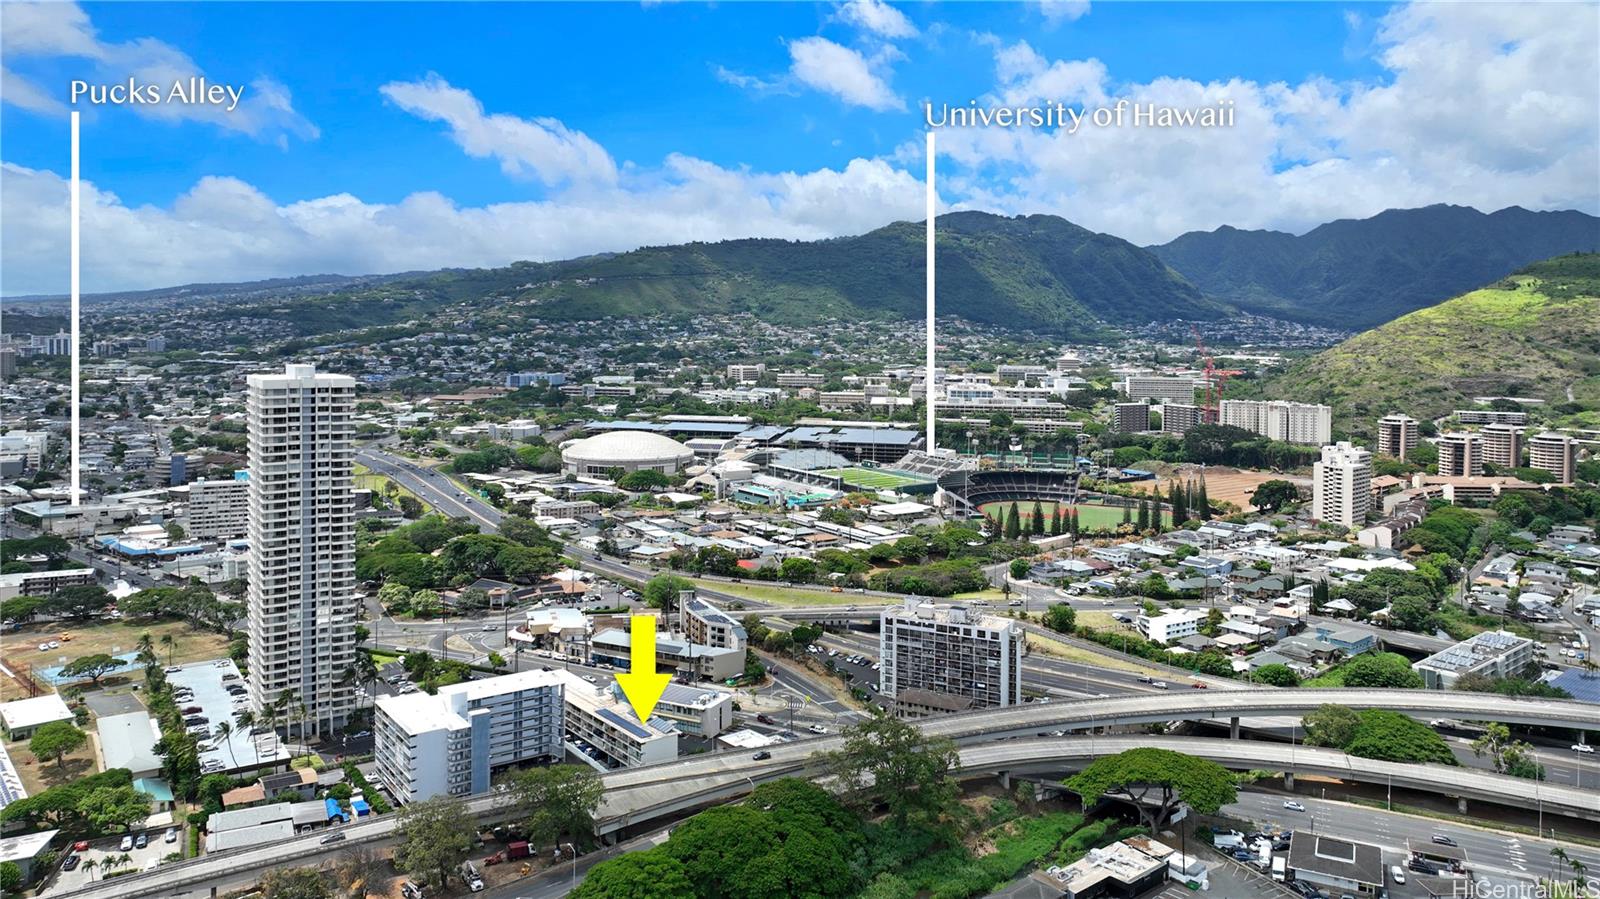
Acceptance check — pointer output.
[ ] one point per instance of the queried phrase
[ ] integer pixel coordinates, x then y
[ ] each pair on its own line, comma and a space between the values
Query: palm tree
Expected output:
147, 649
223, 733
171, 646
246, 721
89, 864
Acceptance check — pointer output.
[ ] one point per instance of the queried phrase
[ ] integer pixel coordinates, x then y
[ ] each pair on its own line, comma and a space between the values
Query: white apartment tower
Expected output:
953, 651
1397, 435
1555, 453
302, 599
1309, 424
1341, 485
1502, 445
1460, 455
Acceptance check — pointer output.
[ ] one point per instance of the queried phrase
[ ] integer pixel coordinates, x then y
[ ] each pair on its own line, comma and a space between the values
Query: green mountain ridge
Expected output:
1535, 333
1359, 273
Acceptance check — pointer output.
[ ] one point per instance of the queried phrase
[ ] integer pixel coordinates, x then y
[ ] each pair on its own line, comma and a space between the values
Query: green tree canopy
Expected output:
1276, 675
555, 802
1330, 725
1381, 670
55, 741
888, 762
1157, 780
654, 874
662, 590
436, 836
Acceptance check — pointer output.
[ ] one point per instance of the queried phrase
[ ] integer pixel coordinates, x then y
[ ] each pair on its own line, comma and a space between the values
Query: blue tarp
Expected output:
360, 807
335, 810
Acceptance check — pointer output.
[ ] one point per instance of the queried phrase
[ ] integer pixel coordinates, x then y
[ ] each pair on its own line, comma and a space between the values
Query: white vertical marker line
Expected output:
76, 353
927, 380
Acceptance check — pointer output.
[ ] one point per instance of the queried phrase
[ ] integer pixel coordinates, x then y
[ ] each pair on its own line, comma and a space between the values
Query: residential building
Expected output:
801, 379
1180, 418
1460, 455
746, 372
603, 730
673, 653
707, 625
952, 650
1490, 417
1165, 390
1502, 445
1555, 453
696, 710
530, 378
1302, 423
218, 509
57, 344
1341, 485
1131, 418
302, 603
30, 445
43, 583
449, 744
1170, 625
1491, 654
1397, 435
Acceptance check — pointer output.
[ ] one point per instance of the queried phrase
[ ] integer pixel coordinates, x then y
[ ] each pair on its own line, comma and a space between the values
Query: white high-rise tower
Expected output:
1341, 485
302, 600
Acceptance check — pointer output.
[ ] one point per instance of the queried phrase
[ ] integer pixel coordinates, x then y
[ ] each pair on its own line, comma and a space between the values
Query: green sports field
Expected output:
870, 478
1091, 516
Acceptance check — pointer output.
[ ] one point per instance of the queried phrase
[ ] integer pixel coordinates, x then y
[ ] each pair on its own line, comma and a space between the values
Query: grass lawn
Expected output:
366, 479
1070, 653
40, 775
870, 478
1100, 621
381, 658
788, 596
112, 637
1091, 516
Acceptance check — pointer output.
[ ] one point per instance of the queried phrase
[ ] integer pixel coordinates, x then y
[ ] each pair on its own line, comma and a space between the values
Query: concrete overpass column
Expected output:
1233, 728
1461, 805
1005, 780
1288, 780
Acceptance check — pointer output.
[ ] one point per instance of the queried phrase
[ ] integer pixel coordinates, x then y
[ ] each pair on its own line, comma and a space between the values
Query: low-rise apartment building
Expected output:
1169, 625
1491, 654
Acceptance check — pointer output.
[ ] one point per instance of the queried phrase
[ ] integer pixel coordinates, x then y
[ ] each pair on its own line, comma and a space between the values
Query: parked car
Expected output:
764, 718
141, 841
171, 836
126, 844
71, 862
1584, 748
192, 710
817, 729
1397, 874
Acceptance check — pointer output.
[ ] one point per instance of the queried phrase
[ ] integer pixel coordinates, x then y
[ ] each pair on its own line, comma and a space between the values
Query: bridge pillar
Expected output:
1005, 780
1233, 728
1288, 780
1461, 805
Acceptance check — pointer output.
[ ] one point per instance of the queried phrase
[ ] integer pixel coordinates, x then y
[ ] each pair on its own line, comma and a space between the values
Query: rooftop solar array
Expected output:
625, 724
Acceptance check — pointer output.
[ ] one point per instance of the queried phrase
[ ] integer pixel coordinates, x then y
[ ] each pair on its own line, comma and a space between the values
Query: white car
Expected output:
1584, 748
817, 729
1293, 806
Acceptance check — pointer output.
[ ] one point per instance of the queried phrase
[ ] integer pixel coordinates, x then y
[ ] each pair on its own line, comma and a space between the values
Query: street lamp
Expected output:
572, 881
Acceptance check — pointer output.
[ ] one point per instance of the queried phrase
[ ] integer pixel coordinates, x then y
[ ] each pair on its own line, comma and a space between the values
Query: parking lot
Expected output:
207, 683
139, 859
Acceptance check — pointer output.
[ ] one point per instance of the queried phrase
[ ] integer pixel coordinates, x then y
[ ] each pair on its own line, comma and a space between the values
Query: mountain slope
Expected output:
1039, 272
1356, 274
1034, 271
1535, 334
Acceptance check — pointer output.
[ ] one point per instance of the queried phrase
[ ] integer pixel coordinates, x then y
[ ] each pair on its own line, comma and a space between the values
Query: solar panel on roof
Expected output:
625, 724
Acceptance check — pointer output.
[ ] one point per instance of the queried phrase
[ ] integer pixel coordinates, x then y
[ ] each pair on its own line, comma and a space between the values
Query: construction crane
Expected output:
1214, 378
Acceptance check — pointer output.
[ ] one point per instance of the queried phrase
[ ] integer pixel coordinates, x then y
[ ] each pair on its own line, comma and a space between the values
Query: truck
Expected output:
1227, 839
1280, 867
1263, 854
518, 849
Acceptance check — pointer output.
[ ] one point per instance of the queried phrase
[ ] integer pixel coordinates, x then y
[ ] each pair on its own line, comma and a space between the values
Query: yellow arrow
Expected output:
642, 685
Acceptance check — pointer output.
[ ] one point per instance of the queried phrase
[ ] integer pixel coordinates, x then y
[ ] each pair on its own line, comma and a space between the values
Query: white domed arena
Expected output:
625, 450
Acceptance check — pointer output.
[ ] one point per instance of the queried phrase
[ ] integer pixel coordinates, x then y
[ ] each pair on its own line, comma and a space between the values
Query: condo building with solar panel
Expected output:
1491, 654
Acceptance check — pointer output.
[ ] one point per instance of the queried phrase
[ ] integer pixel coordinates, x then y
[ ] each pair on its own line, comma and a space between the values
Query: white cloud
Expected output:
1057, 11
877, 17
247, 235
64, 30
543, 148
1482, 105
833, 69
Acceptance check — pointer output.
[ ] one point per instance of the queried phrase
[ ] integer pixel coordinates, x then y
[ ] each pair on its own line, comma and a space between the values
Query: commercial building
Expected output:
450, 743
1555, 453
1460, 455
531, 378
1491, 654
625, 451
673, 653
1336, 865
1502, 445
801, 379
1180, 418
1302, 423
1397, 435
952, 650
707, 625
1341, 485
302, 602
1170, 625
30, 445
1162, 390
218, 509
1131, 418
1122, 870
43, 583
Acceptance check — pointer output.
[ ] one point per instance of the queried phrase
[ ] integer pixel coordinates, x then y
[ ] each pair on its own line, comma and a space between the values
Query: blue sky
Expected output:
380, 136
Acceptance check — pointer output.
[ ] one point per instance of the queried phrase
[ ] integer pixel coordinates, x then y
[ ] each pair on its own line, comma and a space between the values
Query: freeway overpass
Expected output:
638, 795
